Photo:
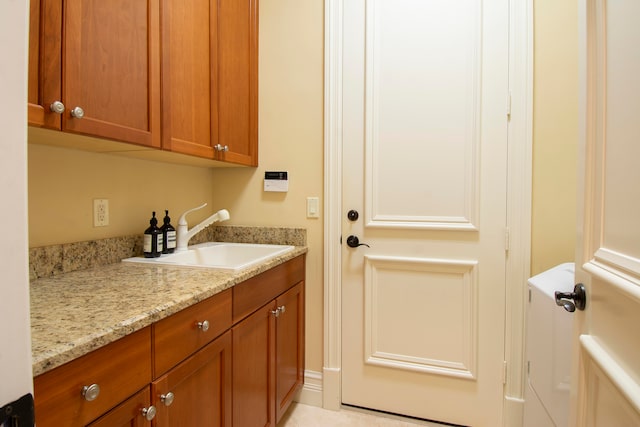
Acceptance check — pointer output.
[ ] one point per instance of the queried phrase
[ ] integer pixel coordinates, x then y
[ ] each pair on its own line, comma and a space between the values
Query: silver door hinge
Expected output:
507, 240
504, 372
509, 106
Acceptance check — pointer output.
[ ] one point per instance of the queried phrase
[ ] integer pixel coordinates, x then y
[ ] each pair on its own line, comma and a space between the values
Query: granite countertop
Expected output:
75, 313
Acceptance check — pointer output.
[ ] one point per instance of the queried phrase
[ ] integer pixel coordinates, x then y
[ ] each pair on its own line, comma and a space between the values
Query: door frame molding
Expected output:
518, 203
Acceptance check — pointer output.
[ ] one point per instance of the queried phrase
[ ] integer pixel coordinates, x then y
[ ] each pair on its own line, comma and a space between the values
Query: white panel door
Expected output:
607, 373
425, 86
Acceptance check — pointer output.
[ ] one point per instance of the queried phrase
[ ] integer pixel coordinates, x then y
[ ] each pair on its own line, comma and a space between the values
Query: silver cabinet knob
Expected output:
278, 311
77, 112
219, 147
90, 392
167, 399
57, 107
204, 326
149, 413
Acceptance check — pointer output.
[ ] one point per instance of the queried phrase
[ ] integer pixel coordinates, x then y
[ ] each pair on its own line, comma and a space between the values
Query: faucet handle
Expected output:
183, 217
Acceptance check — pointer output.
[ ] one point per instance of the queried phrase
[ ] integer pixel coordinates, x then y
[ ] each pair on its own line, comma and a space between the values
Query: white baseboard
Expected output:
331, 397
311, 393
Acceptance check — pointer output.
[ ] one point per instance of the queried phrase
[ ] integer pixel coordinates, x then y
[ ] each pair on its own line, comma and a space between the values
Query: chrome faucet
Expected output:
183, 234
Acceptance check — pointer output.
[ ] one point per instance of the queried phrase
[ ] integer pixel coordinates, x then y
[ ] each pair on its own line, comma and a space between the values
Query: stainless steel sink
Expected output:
219, 255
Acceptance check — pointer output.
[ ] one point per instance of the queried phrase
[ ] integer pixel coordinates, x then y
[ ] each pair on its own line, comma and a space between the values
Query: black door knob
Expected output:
354, 242
572, 300
353, 215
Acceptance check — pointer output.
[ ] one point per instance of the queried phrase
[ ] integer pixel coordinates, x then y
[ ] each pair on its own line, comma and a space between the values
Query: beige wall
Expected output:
291, 139
63, 183
555, 133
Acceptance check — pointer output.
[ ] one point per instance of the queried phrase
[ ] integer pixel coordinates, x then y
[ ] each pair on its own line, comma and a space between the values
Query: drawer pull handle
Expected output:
149, 413
91, 392
167, 399
204, 326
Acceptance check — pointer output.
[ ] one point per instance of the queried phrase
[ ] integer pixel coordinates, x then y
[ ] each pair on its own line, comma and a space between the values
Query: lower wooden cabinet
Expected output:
289, 347
197, 392
268, 360
236, 358
253, 369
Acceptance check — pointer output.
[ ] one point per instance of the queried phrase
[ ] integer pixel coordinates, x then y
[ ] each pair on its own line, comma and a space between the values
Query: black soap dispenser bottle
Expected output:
168, 235
152, 239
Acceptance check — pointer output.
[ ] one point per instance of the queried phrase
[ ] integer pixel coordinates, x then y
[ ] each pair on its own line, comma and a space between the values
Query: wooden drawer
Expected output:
178, 336
120, 369
253, 293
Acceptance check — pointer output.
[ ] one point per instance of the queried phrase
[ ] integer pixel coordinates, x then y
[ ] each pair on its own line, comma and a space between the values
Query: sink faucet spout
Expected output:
183, 234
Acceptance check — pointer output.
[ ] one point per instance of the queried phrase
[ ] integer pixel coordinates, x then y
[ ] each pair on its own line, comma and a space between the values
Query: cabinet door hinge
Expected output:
509, 106
504, 372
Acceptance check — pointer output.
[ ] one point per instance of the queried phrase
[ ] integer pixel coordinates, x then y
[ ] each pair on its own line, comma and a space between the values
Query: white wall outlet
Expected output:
100, 212
313, 207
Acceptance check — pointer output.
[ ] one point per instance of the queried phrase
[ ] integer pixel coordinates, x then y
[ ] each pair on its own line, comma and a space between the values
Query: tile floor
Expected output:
300, 415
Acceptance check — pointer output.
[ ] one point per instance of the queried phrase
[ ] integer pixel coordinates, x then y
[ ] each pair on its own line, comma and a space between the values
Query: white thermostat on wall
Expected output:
276, 181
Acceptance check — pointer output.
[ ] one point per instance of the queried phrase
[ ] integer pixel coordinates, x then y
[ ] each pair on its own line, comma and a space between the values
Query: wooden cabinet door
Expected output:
289, 347
210, 79
237, 89
253, 369
189, 82
35, 110
127, 414
201, 387
45, 53
110, 69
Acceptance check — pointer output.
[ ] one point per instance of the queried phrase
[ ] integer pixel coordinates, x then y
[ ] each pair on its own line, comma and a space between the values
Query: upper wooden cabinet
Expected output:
97, 64
210, 79
181, 76
35, 109
238, 81
189, 76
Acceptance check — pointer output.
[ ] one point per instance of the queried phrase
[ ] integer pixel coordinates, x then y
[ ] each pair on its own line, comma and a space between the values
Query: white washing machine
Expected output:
548, 349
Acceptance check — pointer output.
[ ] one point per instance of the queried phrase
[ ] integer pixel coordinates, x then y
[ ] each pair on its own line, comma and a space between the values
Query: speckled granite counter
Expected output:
77, 312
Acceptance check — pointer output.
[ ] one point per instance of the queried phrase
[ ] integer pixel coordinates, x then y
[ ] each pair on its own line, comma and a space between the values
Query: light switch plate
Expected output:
313, 207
